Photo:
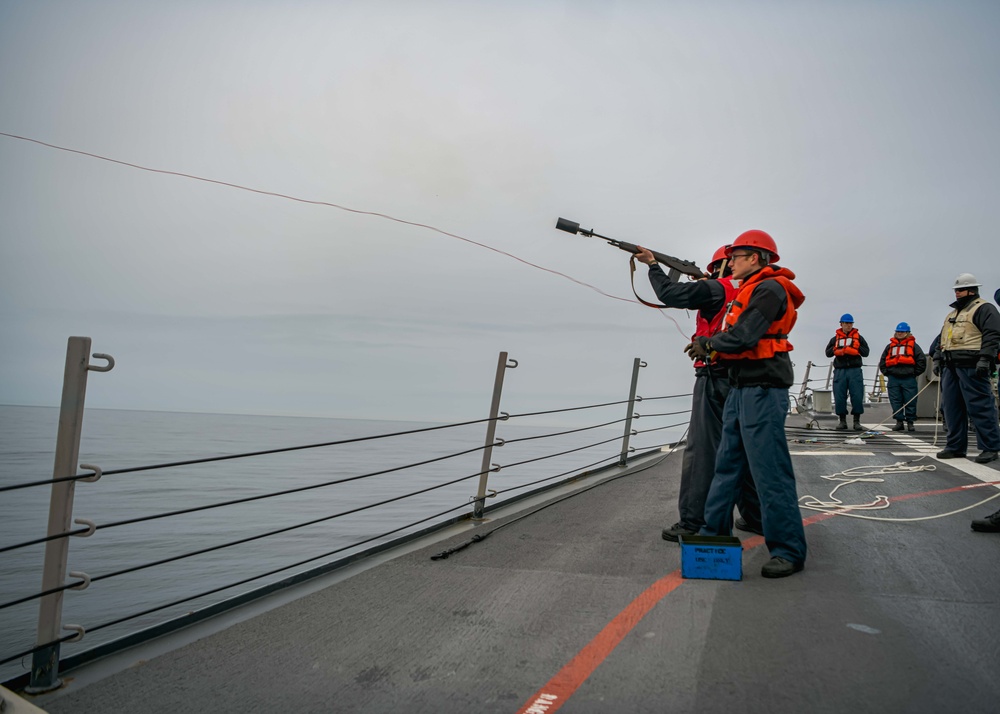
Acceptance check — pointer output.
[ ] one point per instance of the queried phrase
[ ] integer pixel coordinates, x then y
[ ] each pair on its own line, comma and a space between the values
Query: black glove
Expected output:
937, 369
983, 367
698, 349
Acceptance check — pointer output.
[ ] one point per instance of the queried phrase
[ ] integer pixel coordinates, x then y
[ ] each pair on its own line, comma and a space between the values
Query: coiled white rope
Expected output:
858, 474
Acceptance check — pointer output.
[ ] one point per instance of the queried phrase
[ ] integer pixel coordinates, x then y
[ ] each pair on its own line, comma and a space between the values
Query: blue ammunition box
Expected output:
711, 557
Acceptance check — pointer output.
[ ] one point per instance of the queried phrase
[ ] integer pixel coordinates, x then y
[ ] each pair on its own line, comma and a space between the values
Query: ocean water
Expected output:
116, 439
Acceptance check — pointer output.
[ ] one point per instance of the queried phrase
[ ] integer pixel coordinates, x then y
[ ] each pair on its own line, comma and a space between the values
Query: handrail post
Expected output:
491, 429
45, 662
805, 383
631, 406
829, 376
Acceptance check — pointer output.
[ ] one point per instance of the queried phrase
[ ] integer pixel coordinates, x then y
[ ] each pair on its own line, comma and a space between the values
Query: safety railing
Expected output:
437, 486
806, 399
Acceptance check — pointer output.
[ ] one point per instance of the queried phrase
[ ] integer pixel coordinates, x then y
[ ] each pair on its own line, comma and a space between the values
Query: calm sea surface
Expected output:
120, 439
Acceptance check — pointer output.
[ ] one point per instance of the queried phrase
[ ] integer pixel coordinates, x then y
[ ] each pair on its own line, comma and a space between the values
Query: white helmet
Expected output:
966, 280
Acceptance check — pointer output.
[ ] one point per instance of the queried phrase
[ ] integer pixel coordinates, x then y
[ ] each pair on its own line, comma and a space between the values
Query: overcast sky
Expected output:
862, 135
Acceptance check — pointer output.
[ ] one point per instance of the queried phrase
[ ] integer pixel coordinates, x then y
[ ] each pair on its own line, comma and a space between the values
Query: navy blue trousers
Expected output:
698, 466
965, 396
901, 391
753, 441
848, 380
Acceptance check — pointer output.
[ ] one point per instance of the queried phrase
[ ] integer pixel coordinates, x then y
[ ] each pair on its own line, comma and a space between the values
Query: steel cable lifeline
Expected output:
682, 411
562, 433
277, 570
226, 457
479, 537
594, 406
231, 502
568, 409
258, 497
74, 584
562, 453
231, 585
238, 542
661, 428
564, 473
221, 546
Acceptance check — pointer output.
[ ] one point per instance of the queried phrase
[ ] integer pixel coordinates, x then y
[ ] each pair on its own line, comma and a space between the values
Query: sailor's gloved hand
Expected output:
699, 348
937, 369
984, 367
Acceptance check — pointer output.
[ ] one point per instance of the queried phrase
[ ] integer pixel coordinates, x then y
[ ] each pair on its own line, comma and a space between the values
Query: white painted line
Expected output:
832, 453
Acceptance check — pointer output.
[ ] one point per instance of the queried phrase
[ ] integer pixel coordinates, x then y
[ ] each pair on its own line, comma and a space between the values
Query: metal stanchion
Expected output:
45, 662
631, 413
491, 428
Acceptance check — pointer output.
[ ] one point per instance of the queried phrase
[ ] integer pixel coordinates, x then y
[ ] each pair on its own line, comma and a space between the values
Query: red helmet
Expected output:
756, 239
720, 255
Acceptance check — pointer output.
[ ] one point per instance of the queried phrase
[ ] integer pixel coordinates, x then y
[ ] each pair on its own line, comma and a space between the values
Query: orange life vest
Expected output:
776, 338
847, 344
900, 352
707, 328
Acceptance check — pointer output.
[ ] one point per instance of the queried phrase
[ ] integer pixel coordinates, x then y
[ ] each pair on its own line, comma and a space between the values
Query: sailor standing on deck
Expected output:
847, 347
711, 386
902, 360
754, 347
966, 358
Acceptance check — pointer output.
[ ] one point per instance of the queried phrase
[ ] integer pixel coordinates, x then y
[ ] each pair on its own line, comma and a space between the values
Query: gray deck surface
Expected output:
886, 617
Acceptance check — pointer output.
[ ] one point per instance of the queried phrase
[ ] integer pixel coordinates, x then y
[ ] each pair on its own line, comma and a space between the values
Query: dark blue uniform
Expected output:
848, 378
903, 383
966, 390
711, 387
753, 431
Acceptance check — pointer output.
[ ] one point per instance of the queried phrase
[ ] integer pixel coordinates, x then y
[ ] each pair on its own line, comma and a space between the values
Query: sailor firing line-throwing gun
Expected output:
708, 294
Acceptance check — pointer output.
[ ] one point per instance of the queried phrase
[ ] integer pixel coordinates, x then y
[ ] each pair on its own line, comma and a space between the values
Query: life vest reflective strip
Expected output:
776, 339
707, 328
901, 352
847, 344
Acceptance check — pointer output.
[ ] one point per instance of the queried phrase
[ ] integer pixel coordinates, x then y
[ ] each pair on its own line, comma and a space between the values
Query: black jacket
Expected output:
846, 361
904, 370
705, 296
987, 320
767, 303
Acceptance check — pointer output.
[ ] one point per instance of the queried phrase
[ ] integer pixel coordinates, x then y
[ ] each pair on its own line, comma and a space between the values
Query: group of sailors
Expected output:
737, 454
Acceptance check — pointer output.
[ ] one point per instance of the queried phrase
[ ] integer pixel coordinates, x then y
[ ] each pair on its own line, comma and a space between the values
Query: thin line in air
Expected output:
331, 205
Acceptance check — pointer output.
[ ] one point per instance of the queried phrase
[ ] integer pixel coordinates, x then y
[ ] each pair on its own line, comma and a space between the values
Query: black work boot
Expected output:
899, 426
990, 524
780, 568
986, 457
910, 427
676, 530
857, 423
842, 426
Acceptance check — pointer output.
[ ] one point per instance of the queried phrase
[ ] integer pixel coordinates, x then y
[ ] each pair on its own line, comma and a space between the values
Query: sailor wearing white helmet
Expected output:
966, 358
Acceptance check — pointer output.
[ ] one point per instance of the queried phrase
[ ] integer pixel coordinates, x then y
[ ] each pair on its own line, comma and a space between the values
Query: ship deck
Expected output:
577, 604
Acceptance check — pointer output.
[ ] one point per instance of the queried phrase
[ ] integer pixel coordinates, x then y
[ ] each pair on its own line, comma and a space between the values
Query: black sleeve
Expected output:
935, 349
919, 357
881, 361
706, 295
863, 348
829, 346
767, 303
987, 319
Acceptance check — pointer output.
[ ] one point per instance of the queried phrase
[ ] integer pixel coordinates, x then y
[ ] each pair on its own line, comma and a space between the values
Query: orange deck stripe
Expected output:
567, 680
